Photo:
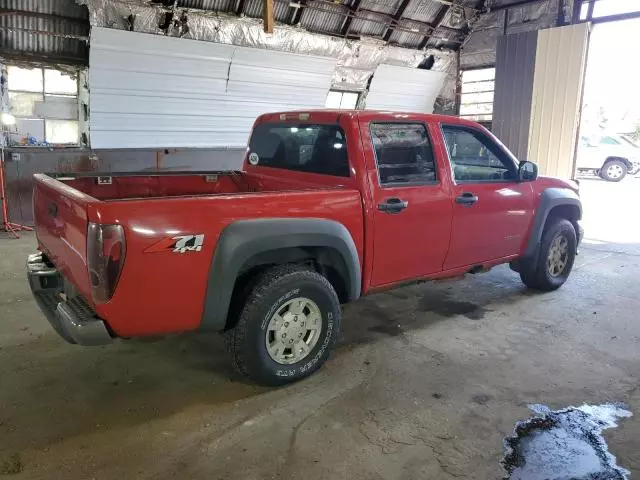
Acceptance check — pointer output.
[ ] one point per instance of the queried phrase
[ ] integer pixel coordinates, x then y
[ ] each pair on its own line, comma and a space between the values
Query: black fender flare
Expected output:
624, 160
549, 199
244, 239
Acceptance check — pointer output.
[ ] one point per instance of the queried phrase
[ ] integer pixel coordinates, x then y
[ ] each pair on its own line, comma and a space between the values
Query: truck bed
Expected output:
153, 209
138, 185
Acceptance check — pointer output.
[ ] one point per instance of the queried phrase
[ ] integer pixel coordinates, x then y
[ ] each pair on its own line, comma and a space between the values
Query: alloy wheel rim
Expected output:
614, 171
558, 256
293, 331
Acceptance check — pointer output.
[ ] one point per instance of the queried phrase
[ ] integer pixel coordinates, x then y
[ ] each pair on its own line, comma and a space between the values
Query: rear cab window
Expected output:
311, 148
403, 153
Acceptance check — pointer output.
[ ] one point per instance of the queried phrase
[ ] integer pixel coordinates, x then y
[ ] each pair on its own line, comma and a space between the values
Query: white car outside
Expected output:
610, 156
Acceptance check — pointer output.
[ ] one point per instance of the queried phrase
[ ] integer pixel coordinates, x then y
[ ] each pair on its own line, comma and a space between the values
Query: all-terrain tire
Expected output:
536, 274
614, 170
247, 341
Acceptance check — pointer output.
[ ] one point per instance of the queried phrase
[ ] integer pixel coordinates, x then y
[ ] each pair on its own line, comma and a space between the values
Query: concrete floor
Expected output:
425, 384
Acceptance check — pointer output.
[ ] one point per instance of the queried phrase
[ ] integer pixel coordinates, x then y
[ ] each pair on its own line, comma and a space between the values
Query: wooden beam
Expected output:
267, 16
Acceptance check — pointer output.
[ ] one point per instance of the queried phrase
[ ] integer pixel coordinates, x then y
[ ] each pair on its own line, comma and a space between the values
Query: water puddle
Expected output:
564, 445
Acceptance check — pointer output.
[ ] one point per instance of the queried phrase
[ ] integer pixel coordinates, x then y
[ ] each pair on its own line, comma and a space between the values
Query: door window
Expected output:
475, 157
403, 153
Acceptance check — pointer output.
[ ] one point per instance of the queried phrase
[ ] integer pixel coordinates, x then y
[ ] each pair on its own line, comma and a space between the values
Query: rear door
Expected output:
412, 203
491, 211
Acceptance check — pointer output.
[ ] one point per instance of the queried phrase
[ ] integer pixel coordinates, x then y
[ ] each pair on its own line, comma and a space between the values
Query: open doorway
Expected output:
608, 155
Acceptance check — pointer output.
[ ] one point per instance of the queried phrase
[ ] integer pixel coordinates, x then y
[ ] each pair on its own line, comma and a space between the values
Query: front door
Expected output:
412, 205
491, 210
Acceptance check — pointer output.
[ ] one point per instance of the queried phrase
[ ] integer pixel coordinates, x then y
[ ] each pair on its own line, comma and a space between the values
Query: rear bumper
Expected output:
72, 318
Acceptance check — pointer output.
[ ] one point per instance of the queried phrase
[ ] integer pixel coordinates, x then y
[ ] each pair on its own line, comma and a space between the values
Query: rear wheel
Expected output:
614, 170
555, 259
290, 320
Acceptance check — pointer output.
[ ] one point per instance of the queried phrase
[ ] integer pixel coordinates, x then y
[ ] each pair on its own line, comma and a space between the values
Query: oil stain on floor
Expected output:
564, 444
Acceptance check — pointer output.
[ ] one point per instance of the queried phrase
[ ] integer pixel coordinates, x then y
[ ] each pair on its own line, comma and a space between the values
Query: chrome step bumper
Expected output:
72, 318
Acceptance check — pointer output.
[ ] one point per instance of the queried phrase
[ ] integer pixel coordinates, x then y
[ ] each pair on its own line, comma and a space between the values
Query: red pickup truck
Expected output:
329, 206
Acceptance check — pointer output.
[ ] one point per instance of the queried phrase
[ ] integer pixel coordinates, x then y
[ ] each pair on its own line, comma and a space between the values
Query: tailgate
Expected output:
60, 213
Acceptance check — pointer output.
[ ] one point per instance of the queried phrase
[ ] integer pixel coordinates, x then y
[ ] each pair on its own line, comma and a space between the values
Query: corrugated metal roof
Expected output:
66, 8
423, 10
410, 34
383, 6
46, 30
61, 36
364, 26
324, 20
213, 5
253, 8
446, 38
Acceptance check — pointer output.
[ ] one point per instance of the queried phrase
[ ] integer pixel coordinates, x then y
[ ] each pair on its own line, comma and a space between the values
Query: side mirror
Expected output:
527, 171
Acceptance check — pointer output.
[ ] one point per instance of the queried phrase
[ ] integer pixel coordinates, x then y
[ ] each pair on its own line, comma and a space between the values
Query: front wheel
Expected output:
287, 327
555, 259
613, 171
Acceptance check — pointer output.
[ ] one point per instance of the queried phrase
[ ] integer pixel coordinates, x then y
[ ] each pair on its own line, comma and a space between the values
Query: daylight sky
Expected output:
613, 68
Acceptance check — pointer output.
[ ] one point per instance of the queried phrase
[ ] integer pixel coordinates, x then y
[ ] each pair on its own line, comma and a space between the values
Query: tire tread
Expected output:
235, 338
533, 274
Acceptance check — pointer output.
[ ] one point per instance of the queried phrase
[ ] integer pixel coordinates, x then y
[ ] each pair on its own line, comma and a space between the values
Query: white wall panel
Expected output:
150, 91
404, 89
557, 90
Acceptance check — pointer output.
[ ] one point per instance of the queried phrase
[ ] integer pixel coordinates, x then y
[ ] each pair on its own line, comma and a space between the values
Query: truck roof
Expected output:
366, 115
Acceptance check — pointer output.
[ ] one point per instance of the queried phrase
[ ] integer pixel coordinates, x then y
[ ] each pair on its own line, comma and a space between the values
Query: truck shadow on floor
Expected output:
416, 307
53, 391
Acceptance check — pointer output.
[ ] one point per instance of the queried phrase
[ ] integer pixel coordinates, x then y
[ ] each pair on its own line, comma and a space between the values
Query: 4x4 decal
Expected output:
178, 244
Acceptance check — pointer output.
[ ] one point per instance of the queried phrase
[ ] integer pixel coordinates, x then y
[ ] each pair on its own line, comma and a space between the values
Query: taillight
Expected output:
106, 248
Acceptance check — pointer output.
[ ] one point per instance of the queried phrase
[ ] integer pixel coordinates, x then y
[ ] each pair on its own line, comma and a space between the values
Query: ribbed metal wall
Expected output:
172, 92
45, 30
515, 62
404, 89
557, 92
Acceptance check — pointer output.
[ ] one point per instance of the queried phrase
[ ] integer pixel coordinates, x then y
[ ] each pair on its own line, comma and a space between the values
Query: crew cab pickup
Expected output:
329, 206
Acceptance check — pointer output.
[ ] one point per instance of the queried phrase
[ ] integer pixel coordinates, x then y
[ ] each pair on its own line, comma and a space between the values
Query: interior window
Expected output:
307, 148
475, 157
403, 153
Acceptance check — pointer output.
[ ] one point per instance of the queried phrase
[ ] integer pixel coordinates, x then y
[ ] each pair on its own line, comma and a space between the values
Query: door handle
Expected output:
467, 199
393, 205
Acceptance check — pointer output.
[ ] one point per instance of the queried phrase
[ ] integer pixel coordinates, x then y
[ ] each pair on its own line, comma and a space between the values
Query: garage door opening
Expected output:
608, 151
